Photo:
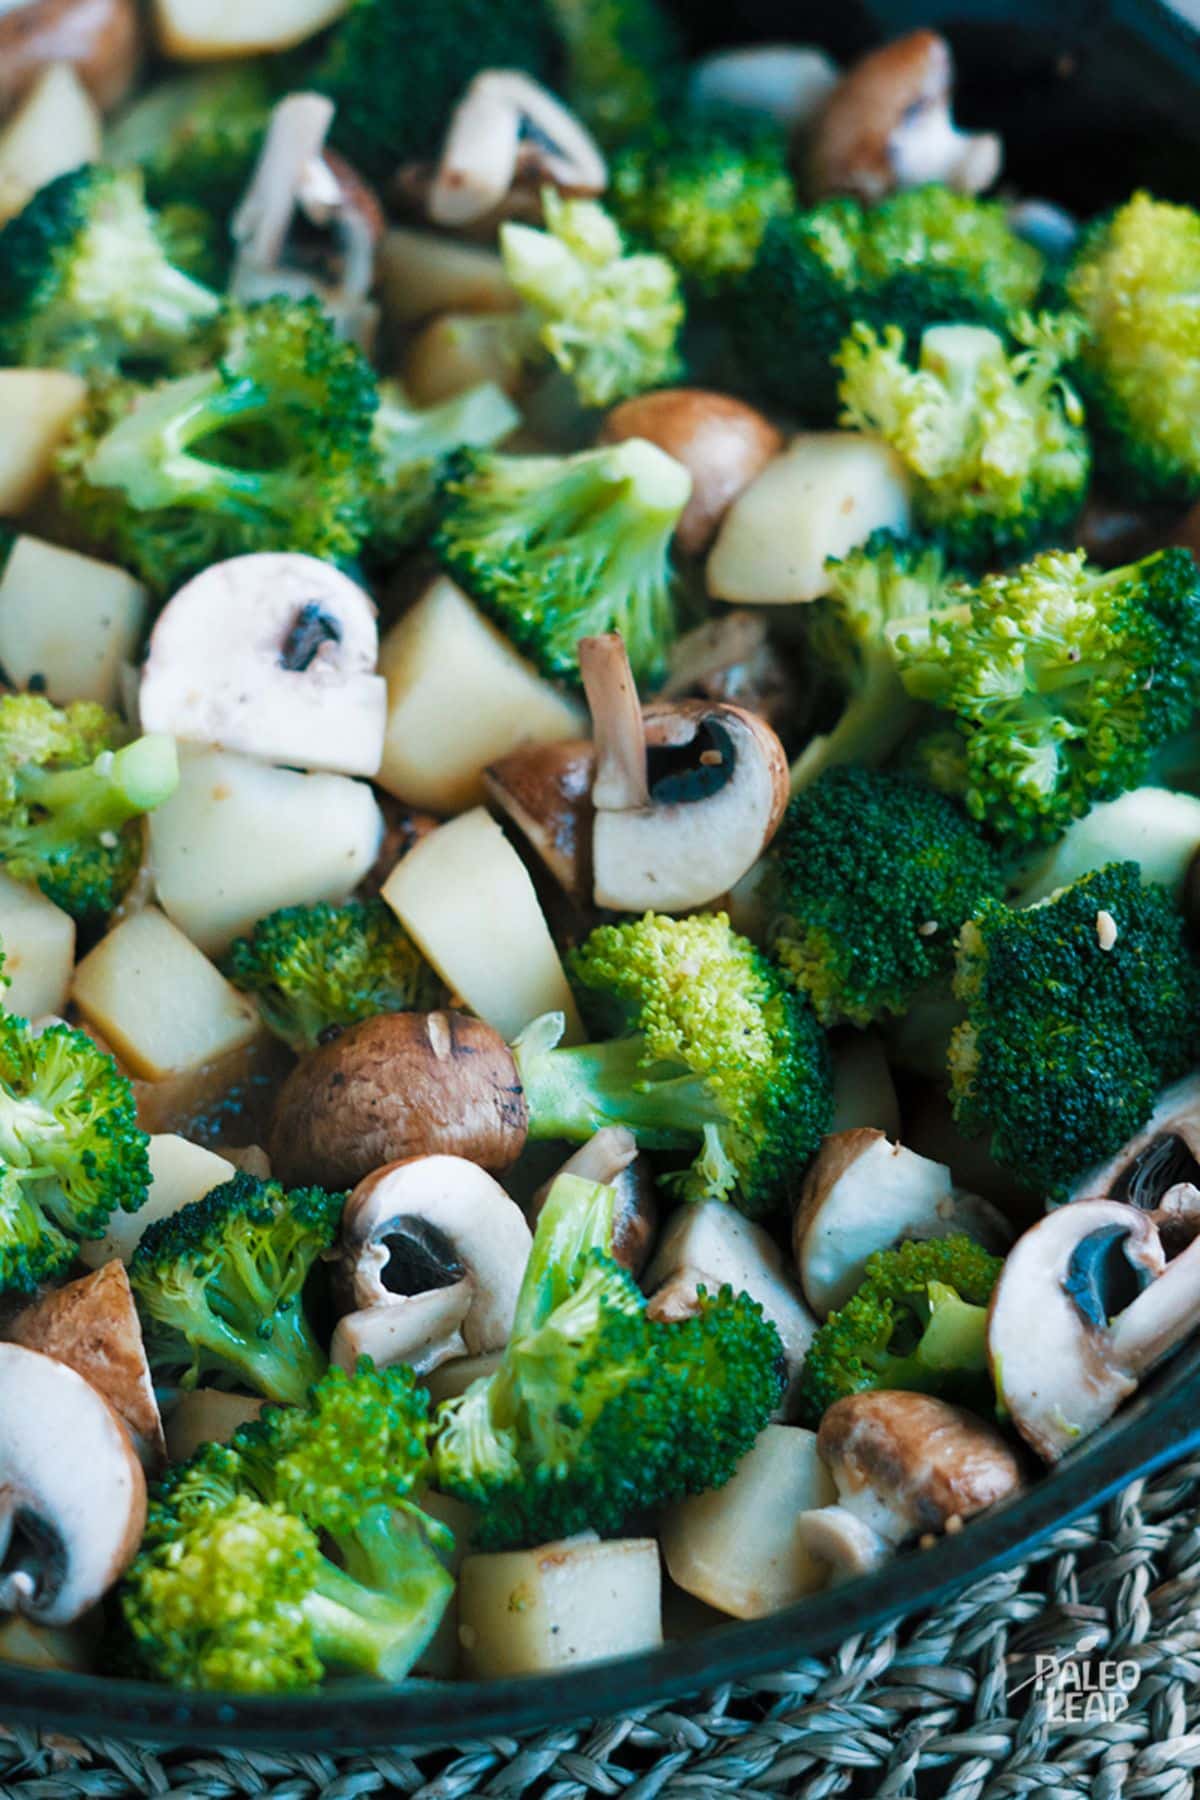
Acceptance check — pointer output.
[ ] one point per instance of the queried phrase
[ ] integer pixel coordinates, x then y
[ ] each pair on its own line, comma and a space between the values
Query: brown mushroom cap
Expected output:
722, 442
400, 1085
546, 790
102, 39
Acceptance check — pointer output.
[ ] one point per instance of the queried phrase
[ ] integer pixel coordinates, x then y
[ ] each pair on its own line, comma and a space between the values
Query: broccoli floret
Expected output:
889, 579
609, 318
72, 794
84, 279
703, 1048
1134, 279
314, 969
71, 1152
556, 548
395, 73
410, 443
702, 191
1078, 1011
220, 1285
918, 1320
196, 138
624, 63
993, 442
924, 257
872, 875
1061, 680
596, 1410
269, 449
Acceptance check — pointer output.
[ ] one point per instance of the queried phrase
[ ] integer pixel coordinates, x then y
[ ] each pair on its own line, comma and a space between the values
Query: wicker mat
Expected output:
1074, 1675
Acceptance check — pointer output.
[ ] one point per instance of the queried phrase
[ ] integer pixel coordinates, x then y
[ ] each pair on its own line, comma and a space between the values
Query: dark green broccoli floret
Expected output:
872, 875
71, 1152
1078, 1011
918, 1320
1134, 278
197, 137
993, 440
395, 73
701, 1048
317, 968
556, 548
410, 443
84, 278
596, 1410
1060, 680
72, 794
624, 63
702, 191
925, 257
268, 449
220, 1285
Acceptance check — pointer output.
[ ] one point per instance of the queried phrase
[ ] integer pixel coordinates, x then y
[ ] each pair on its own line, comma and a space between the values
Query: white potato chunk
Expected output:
195, 30
71, 620
57, 127
464, 896
456, 352
736, 1548
238, 839
442, 1654
864, 1094
459, 698
206, 1416
422, 272
38, 940
825, 494
158, 1000
522, 1612
180, 1172
37, 407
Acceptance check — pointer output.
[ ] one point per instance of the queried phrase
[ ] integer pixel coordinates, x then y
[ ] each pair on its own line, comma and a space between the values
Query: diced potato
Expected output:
825, 494
34, 1646
38, 939
421, 272
442, 1654
736, 1547
456, 352
179, 1173
465, 897
158, 1000
239, 838
452, 1378
459, 698
196, 30
525, 1611
37, 407
864, 1094
206, 1416
69, 619
56, 127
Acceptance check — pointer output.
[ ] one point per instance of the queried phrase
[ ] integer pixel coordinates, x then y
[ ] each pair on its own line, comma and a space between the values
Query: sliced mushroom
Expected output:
1087, 1303
92, 1326
1158, 1171
273, 655
710, 1245
905, 1466
731, 658
864, 1194
611, 1156
397, 1086
546, 790
72, 1491
101, 39
888, 124
507, 129
436, 1245
685, 799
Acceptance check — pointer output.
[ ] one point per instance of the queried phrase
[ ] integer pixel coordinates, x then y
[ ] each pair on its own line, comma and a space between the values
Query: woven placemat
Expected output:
954, 1703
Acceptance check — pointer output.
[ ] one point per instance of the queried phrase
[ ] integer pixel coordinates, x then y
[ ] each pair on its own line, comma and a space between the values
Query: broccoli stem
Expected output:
360, 1631
576, 1220
147, 454
118, 786
573, 1093
390, 1553
274, 1350
872, 725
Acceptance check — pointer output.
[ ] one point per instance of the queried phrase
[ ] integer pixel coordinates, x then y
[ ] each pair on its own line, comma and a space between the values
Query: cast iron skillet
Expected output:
1053, 75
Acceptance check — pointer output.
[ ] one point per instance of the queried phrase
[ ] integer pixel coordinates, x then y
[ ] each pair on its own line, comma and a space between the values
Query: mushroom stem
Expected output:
603, 1157
295, 139
505, 125
1161, 1316
621, 782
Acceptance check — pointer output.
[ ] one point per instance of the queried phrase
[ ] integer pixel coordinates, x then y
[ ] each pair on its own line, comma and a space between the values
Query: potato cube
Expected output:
239, 838
443, 1653
38, 939
456, 352
459, 698
206, 1416
422, 272
736, 1547
36, 408
68, 619
465, 897
180, 1172
158, 1000
522, 1612
57, 127
195, 30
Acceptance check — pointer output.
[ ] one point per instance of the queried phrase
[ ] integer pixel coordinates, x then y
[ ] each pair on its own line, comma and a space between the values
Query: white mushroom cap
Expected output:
273, 655
72, 1492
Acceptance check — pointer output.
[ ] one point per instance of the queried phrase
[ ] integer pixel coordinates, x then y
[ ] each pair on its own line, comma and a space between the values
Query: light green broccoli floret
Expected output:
411, 443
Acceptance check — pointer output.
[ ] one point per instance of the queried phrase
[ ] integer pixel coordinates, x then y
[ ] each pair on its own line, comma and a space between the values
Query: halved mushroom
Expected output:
611, 1156
686, 797
888, 124
508, 130
905, 1466
546, 790
864, 1193
273, 655
101, 39
438, 1247
72, 1491
1158, 1171
1087, 1304
731, 658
